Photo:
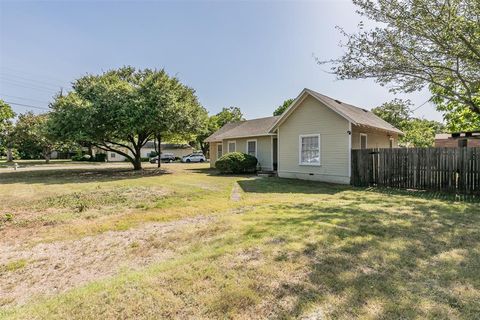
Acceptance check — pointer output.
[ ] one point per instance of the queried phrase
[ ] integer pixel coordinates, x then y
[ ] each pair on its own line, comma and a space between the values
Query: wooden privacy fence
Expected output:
444, 169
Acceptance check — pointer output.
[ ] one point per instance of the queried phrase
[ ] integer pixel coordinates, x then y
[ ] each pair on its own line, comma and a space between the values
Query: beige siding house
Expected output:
252, 137
311, 140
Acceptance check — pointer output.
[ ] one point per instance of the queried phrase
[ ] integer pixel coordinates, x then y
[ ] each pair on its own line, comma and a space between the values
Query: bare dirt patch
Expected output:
51, 268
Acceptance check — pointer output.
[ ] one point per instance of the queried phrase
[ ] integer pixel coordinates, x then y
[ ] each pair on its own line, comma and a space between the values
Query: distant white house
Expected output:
178, 150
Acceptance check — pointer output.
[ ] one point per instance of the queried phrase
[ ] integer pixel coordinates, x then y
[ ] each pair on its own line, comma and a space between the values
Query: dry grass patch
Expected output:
286, 249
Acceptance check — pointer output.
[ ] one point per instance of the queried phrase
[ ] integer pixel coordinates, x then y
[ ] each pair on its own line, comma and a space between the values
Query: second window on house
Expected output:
232, 146
363, 141
252, 147
219, 150
309, 149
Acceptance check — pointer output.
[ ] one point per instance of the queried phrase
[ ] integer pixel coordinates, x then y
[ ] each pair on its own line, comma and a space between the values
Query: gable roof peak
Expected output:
353, 114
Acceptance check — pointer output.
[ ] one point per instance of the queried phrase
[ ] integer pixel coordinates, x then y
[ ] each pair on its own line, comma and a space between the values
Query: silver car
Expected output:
194, 157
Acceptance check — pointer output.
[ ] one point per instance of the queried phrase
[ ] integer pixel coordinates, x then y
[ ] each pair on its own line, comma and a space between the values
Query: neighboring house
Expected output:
178, 150
311, 140
457, 139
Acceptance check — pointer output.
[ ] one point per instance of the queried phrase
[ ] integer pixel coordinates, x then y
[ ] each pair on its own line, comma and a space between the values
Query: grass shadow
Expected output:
283, 185
382, 261
67, 175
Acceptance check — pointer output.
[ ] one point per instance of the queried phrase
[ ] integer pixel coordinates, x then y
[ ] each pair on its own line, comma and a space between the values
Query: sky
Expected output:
248, 54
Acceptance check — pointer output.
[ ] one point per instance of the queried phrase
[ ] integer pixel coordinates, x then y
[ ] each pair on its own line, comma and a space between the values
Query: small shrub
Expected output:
236, 162
79, 157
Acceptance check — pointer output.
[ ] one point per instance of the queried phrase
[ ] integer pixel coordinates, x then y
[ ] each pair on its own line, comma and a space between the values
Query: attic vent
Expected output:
338, 101
365, 110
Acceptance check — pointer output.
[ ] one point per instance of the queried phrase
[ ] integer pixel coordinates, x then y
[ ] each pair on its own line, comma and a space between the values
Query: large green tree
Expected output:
457, 117
32, 138
216, 121
418, 132
396, 112
281, 109
6, 116
120, 110
415, 44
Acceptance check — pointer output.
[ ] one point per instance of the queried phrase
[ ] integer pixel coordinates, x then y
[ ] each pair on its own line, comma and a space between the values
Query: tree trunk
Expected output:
9, 155
90, 150
47, 153
205, 149
137, 164
159, 150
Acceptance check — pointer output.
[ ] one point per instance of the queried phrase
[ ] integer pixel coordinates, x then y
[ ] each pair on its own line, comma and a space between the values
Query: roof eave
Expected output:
299, 100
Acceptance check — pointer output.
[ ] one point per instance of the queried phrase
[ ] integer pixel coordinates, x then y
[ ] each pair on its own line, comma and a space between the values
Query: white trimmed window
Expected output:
219, 150
232, 146
252, 147
309, 149
363, 141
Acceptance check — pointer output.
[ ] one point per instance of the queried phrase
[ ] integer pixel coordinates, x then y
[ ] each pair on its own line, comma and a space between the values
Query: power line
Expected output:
21, 98
33, 81
24, 83
26, 105
28, 86
31, 74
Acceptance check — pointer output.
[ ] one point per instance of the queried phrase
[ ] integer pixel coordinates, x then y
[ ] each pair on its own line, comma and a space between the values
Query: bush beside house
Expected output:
236, 162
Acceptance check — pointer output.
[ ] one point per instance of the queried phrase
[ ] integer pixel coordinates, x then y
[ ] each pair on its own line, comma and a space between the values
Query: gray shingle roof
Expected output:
262, 126
357, 115
247, 128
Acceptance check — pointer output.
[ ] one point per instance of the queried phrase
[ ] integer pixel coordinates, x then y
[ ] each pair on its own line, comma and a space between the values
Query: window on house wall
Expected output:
112, 155
309, 149
252, 147
232, 146
219, 150
391, 143
363, 141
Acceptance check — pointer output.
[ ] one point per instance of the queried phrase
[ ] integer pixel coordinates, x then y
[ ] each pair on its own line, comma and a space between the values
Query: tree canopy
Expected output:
6, 116
216, 121
281, 109
396, 112
32, 138
417, 44
418, 132
120, 110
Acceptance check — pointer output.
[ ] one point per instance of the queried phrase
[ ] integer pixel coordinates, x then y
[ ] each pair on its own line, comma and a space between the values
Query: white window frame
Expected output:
228, 146
246, 147
366, 140
219, 145
300, 150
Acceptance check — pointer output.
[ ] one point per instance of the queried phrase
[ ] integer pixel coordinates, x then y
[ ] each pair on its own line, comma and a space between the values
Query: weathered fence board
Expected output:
442, 169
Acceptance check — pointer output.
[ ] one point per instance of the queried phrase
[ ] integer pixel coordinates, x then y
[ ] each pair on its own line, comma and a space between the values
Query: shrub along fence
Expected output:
444, 169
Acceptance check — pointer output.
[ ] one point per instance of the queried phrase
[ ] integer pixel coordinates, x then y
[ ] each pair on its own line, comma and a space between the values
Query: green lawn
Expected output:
286, 249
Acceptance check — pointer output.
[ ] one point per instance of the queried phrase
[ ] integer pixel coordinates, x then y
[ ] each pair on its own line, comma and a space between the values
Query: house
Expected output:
457, 139
311, 140
179, 150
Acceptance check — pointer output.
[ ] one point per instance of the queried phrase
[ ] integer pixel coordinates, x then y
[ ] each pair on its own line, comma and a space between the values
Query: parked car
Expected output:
164, 157
194, 157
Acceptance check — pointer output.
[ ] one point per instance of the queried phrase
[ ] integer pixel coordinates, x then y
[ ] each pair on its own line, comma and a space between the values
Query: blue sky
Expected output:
250, 54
